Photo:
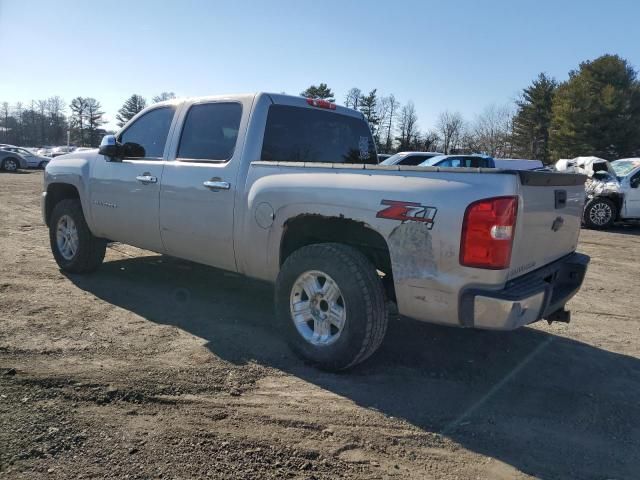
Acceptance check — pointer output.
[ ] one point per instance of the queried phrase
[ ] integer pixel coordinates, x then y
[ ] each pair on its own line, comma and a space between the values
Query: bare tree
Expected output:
5, 118
407, 127
57, 123
352, 100
42, 117
430, 141
491, 130
390, 105
164, 96
449, 128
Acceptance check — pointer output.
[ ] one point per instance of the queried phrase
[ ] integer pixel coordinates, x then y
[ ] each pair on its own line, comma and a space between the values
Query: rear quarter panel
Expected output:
426, 271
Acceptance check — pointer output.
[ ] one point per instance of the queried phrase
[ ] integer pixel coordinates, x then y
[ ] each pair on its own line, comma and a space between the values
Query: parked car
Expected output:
33, 160
615, 198
612, 189
11, 161
409, 158
481, 161
44, 151
57, 151
288, 190
383, 156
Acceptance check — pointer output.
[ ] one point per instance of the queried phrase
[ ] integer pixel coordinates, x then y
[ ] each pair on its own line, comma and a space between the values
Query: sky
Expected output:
442, 55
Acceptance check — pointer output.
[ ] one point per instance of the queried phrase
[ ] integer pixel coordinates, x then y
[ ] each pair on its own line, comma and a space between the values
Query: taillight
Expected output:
487, 233
320, 103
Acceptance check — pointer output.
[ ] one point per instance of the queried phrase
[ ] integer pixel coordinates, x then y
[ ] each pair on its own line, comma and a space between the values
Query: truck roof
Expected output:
276, 98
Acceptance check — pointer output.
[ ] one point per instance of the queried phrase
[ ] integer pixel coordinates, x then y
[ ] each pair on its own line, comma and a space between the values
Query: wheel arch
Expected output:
309, 229
57, 192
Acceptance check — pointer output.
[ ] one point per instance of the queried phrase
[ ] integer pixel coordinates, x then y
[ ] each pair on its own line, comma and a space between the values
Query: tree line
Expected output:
596, 111
49, 121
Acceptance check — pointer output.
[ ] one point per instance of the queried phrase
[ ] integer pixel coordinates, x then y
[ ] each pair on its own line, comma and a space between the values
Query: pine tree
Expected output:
533, 119
134, 104
322, 91
78, 108
597, 111
94, 120
368, 107
352, 99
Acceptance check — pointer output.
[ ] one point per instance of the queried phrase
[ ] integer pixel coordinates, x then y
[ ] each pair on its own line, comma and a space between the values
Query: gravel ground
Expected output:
158, 368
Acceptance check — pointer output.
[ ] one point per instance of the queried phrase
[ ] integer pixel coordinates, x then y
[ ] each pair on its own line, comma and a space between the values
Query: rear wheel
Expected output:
10, 165
74, 247
599, 213
331, 306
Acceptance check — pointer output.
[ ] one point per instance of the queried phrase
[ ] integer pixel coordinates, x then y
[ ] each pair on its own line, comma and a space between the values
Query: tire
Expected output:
360, 295
42, 165
10, 164
89, 251
599, 213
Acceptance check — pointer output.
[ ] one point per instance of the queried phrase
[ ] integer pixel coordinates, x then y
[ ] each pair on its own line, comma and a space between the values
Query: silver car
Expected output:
11, 161
33, 160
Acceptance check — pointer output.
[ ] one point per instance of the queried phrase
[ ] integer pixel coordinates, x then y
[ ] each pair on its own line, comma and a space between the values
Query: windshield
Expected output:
393, 159
432, 161
624, 167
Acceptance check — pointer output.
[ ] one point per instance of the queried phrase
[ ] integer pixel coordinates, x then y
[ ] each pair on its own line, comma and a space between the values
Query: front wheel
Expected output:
331, 306
74, 247
599, 213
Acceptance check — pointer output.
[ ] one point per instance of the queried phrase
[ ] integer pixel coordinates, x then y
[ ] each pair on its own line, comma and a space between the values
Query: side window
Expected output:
147, 136
210, 131
413, 160
450, 162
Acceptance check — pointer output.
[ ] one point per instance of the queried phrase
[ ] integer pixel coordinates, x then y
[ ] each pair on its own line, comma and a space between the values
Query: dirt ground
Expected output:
158, 368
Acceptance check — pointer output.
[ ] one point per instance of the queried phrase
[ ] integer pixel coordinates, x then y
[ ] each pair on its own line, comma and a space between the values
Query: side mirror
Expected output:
635, 182
109, 147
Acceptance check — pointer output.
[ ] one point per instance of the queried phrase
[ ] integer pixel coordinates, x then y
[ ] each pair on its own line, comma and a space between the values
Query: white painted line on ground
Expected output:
454, 424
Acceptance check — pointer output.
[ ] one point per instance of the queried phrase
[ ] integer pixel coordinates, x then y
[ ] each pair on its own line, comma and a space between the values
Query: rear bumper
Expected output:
532, 297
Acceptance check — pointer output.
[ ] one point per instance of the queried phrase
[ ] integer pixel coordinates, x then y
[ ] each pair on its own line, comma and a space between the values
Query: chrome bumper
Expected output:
532, 297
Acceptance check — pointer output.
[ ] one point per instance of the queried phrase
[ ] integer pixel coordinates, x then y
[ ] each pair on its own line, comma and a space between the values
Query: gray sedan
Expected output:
33, 160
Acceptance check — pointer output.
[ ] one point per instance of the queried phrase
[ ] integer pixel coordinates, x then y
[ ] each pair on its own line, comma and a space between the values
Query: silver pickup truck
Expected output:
288, 190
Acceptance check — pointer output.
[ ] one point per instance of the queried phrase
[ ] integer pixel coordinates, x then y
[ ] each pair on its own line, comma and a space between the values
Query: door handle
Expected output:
146, 178
217, 185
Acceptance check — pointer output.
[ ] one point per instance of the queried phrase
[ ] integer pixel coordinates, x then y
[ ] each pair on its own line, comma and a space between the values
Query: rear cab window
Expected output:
298, 134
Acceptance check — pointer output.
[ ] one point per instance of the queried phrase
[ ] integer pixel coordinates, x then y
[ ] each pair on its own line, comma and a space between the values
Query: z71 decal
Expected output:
407, 212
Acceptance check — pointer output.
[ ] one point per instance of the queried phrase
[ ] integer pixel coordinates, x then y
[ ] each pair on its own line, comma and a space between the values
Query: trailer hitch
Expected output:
560, 315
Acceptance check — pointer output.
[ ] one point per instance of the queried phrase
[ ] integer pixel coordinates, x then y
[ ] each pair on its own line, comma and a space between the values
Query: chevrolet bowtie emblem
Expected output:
557, 224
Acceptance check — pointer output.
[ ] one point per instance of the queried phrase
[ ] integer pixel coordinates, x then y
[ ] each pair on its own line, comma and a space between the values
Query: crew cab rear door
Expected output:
198, 188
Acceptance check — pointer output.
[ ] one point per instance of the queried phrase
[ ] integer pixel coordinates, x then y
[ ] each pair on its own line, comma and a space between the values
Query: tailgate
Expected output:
549, 219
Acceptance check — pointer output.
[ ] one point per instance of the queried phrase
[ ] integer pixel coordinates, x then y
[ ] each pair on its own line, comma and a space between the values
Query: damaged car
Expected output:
612, 189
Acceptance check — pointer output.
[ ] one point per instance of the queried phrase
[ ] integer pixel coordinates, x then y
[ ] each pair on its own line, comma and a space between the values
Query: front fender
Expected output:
74, 170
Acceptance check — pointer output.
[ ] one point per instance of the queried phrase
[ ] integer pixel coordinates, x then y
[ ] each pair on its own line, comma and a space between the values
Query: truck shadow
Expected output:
571, 412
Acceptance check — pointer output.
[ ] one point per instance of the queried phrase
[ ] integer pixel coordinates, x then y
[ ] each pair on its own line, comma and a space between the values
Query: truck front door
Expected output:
125, 194
632, 195
198, 187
